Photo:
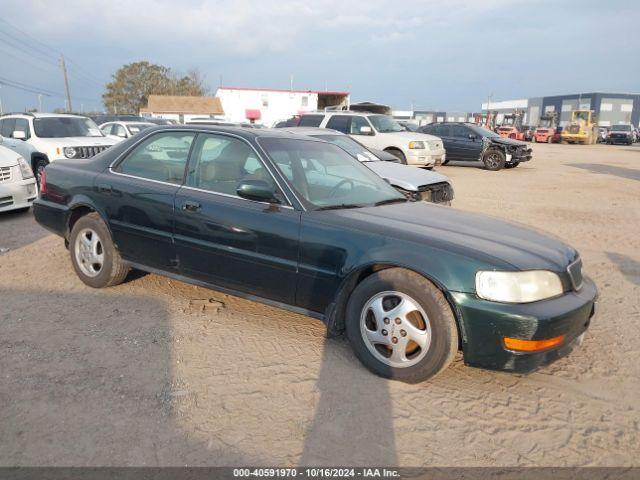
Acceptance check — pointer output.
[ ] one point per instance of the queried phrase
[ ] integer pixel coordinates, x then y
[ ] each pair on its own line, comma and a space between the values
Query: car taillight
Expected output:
43, 183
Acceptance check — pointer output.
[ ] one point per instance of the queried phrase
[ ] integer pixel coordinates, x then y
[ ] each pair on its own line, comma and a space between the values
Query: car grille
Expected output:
6, 201
5, 174
575, 273
88, 152
437, 193
618, 135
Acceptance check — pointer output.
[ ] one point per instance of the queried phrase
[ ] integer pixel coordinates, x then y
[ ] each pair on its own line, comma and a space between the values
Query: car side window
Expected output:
118, 130
22, 125
440, 131
8, 125
460, 131
340, 123
161, 157
310, 120
356, 124
219, 163
106, 129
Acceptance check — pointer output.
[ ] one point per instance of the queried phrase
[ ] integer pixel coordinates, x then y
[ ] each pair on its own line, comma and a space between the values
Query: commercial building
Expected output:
266, 106
181, 108
610, 108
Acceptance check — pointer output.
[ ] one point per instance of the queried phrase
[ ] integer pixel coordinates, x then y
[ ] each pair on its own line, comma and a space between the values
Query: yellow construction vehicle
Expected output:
581, 129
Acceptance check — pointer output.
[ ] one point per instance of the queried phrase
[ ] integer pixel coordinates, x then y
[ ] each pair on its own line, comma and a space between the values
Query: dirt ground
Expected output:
154, 372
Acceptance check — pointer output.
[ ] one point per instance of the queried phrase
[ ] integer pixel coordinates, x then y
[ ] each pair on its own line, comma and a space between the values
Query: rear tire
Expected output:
94, 256
416, 309
494, 159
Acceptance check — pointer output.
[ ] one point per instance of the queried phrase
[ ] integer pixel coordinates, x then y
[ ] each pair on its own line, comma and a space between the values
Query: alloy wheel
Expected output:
395, 329
89, 252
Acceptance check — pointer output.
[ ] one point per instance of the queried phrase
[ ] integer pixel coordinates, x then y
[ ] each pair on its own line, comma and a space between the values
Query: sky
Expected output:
432, 55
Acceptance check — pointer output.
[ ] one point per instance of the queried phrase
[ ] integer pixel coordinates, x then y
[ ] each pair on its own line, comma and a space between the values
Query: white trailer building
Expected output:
266, 106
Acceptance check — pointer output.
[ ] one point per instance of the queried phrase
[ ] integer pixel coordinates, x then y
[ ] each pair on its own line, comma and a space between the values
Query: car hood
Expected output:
8, 158
404, 176
497, 242
507, 141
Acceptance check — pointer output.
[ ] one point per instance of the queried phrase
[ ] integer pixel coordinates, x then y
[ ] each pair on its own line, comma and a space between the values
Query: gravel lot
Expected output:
154, 372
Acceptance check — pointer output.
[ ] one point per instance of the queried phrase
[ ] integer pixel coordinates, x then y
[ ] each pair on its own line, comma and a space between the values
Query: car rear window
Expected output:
310, 120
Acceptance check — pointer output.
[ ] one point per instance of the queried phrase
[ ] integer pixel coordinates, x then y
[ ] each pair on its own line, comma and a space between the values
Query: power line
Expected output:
33, 89
57, 53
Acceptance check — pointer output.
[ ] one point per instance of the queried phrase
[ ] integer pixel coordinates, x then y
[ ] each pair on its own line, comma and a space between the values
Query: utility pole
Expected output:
40, 102
1, 110
66, 83
489, 97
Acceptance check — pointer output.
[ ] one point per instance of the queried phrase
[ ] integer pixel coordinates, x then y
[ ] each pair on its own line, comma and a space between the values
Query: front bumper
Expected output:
486, 323
624, 139
425, 158
20, 194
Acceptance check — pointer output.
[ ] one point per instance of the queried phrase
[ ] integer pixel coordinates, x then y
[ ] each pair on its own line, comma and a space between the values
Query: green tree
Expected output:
132, 84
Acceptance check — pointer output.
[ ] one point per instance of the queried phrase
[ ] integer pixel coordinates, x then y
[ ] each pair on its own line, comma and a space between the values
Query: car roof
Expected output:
246, 133
312, 131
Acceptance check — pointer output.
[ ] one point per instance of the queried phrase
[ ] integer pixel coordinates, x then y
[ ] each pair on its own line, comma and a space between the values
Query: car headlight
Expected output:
25, 169
69, 152
518, 287
416, 145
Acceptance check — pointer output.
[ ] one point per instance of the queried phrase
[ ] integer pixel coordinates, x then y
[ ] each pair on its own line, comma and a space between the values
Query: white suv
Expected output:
54, 136
382, 132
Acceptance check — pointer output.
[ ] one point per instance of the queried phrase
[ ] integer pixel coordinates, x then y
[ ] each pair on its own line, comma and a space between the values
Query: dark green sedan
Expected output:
298, 223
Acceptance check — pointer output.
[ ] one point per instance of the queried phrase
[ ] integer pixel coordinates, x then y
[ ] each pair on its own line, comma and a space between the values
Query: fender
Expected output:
81, 200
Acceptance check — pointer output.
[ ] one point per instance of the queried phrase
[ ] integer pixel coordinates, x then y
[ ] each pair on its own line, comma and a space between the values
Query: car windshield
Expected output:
483, 132
385, 124
137, 127
327, 176
59, 127
350, 145
621, 128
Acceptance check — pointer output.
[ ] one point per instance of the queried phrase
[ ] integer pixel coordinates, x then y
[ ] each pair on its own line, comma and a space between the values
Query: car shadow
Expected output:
18, 229
628, 266
353, 421
622, 172
87, 380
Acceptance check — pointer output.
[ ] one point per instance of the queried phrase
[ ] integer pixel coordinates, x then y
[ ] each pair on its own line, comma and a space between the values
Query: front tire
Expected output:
93, 255
494, 159
398, 154
401, 326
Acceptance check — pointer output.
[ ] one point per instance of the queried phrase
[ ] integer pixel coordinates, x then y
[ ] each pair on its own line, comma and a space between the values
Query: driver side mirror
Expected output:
366, 131
19, 135
257, 190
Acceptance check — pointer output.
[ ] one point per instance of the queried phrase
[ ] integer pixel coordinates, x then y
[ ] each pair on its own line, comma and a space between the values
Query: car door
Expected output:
229, 241
137, 197
467, 144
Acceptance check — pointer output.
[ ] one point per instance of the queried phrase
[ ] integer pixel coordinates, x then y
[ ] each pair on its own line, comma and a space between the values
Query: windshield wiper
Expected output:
340, 206
390, 200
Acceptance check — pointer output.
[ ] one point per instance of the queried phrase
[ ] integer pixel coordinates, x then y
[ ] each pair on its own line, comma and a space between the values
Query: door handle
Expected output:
104, 188
191, 206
